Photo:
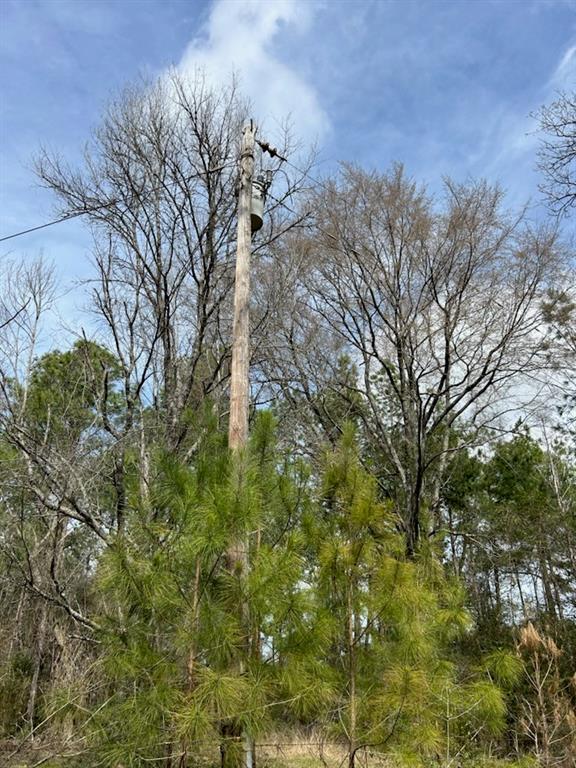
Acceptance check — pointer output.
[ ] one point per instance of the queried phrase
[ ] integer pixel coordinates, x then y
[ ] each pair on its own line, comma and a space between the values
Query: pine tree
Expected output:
172, 624
400, 690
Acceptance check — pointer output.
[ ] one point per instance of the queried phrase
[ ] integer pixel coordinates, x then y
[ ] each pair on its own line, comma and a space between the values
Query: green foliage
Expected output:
320, 621
15, 675
503, 666
192, 646
394, 627
66, 387
329, 617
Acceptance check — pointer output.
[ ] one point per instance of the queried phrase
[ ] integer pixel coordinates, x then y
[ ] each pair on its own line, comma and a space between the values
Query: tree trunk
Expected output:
37, 663
413, 523
17, 625
351, 680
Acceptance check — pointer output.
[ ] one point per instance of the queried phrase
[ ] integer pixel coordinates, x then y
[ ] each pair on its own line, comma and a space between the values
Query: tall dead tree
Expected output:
437, 307
158, 188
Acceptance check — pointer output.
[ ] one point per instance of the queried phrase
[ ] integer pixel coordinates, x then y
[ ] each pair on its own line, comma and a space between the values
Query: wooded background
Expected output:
408, 493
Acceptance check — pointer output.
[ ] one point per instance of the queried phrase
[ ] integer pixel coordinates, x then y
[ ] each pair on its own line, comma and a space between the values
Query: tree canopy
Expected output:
408, 595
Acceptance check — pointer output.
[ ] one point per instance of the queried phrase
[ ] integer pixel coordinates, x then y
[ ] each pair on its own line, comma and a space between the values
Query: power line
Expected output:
320, 229
282, 203
308, 175
51, 223
319, 183
273, 152
93, 209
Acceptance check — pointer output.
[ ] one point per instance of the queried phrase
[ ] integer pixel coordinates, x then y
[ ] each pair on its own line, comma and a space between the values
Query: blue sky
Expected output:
446, 87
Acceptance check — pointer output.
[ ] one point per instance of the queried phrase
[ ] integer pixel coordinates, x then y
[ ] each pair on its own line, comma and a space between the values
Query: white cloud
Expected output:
240, 36
564, 75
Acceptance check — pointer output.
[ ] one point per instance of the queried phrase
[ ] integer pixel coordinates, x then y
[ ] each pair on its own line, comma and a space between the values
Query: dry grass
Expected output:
310, 750
303, 749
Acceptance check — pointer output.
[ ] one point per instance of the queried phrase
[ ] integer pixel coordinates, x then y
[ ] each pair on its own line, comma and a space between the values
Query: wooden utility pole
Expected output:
239, 751
239, 380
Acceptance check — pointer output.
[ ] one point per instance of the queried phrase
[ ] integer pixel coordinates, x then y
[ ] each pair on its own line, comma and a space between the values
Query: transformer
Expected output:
259, 189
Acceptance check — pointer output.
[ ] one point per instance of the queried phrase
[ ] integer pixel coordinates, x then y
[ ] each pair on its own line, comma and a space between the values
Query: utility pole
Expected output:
239, 380
239, 752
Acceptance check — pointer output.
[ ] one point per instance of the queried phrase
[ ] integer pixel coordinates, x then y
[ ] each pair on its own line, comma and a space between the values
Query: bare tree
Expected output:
34, 536
158, 186
437, 308
557, 152
158, 189
27, 289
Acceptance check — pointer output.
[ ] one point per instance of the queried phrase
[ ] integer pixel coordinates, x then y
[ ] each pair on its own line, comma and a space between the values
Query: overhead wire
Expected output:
61, 219
273, 152
115, 201
330, 235
308, 175
109, 204
283, 204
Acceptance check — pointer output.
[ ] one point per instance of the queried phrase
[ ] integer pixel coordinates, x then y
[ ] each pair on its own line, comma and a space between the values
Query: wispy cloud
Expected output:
564, 75
243, 37
510, 138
